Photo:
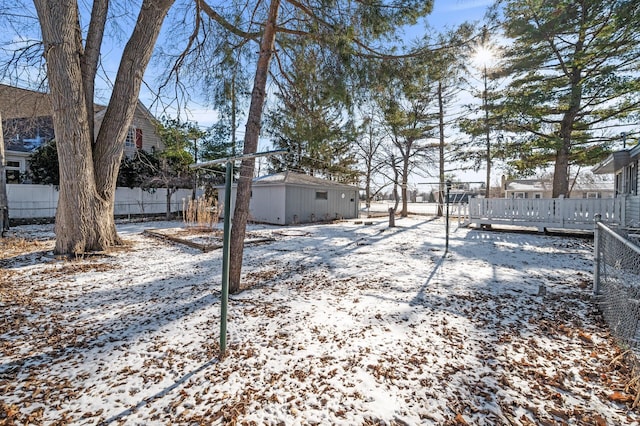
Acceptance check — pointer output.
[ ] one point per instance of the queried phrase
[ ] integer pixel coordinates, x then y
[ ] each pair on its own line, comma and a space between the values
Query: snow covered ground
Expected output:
345, 324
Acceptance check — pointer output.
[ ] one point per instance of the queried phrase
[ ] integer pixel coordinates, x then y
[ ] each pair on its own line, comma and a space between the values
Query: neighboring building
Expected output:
142, 134
290, 198
624, 166
27, 123
543, 188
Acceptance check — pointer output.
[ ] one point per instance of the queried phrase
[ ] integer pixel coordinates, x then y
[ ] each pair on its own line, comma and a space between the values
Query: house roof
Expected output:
613, 162
541, 185
292, 178
537, 185
23, 103
102, 110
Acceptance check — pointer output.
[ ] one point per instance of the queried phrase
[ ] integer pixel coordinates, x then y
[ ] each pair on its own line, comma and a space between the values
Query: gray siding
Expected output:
302, 204
268, 204
632, 211
282, 204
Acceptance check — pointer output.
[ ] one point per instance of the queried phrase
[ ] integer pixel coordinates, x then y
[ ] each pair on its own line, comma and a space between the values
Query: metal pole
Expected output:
446, 244
596, 261
226, 239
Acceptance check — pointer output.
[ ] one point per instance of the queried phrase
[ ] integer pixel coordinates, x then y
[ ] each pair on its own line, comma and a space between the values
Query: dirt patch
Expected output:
206, 240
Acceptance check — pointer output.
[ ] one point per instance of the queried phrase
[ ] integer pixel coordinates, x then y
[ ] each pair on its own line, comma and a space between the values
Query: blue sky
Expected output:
451, 13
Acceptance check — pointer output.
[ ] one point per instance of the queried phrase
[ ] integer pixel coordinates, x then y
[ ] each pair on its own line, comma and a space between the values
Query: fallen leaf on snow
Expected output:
621, 397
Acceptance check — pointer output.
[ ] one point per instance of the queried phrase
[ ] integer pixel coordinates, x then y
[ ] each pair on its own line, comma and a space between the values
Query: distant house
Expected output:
623, 165
27, 123
543, 188
290, 198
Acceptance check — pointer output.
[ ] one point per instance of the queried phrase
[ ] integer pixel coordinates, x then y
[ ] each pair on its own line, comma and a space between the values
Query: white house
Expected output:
542, 188
623, 165
290, 198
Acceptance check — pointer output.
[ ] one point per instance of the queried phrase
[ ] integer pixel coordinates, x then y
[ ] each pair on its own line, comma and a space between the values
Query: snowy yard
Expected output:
342, 324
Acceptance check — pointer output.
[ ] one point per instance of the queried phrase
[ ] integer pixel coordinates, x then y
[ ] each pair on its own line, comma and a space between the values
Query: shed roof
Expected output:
293, 178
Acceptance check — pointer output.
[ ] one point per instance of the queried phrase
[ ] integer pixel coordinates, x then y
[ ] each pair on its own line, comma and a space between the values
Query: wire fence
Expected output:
617, 282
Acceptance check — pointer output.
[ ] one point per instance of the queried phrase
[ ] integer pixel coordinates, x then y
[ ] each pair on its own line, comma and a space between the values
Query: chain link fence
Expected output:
617, 282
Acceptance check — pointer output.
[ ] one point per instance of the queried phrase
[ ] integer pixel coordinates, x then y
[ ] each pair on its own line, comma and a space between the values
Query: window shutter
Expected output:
139, 138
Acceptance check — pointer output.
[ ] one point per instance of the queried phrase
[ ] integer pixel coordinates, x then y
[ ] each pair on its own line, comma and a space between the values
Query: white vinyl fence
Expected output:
565, 213
40, 201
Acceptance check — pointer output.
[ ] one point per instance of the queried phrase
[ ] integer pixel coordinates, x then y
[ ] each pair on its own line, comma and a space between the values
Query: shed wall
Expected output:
303, 204
290, 204
268, 204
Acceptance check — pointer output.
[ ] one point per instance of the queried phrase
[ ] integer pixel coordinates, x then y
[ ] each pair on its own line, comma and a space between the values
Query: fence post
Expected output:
596, 249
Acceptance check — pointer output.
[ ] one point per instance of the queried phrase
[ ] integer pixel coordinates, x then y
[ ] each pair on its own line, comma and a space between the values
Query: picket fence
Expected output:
556, 213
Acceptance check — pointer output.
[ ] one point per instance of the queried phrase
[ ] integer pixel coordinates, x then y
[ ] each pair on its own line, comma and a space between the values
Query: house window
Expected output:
519, 195
591, 195
12, 171
322, 195
130, 140
13, 176
537, 195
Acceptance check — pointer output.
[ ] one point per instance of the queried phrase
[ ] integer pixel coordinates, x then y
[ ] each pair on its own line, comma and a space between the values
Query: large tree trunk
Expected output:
4, 200
561, 169
88, 172
561, 173
254, 119
77, 226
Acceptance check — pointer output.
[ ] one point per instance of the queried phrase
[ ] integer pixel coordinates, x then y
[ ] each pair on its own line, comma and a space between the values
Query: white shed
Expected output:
289, 198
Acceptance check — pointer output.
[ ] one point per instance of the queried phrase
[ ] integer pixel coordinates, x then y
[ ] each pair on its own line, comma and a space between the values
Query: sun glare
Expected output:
484, 56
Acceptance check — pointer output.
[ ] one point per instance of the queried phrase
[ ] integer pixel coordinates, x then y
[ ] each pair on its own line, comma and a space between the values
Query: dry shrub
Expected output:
201, 213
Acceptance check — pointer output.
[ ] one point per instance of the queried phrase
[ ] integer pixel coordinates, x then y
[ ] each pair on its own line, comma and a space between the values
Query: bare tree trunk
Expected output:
405, 179
254, 119
170, 192
396, 178
76, 214
109, 145
4, 200
88, 171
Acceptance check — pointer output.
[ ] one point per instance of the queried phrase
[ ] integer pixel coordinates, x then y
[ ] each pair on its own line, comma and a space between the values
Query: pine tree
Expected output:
310, 120
573, 68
